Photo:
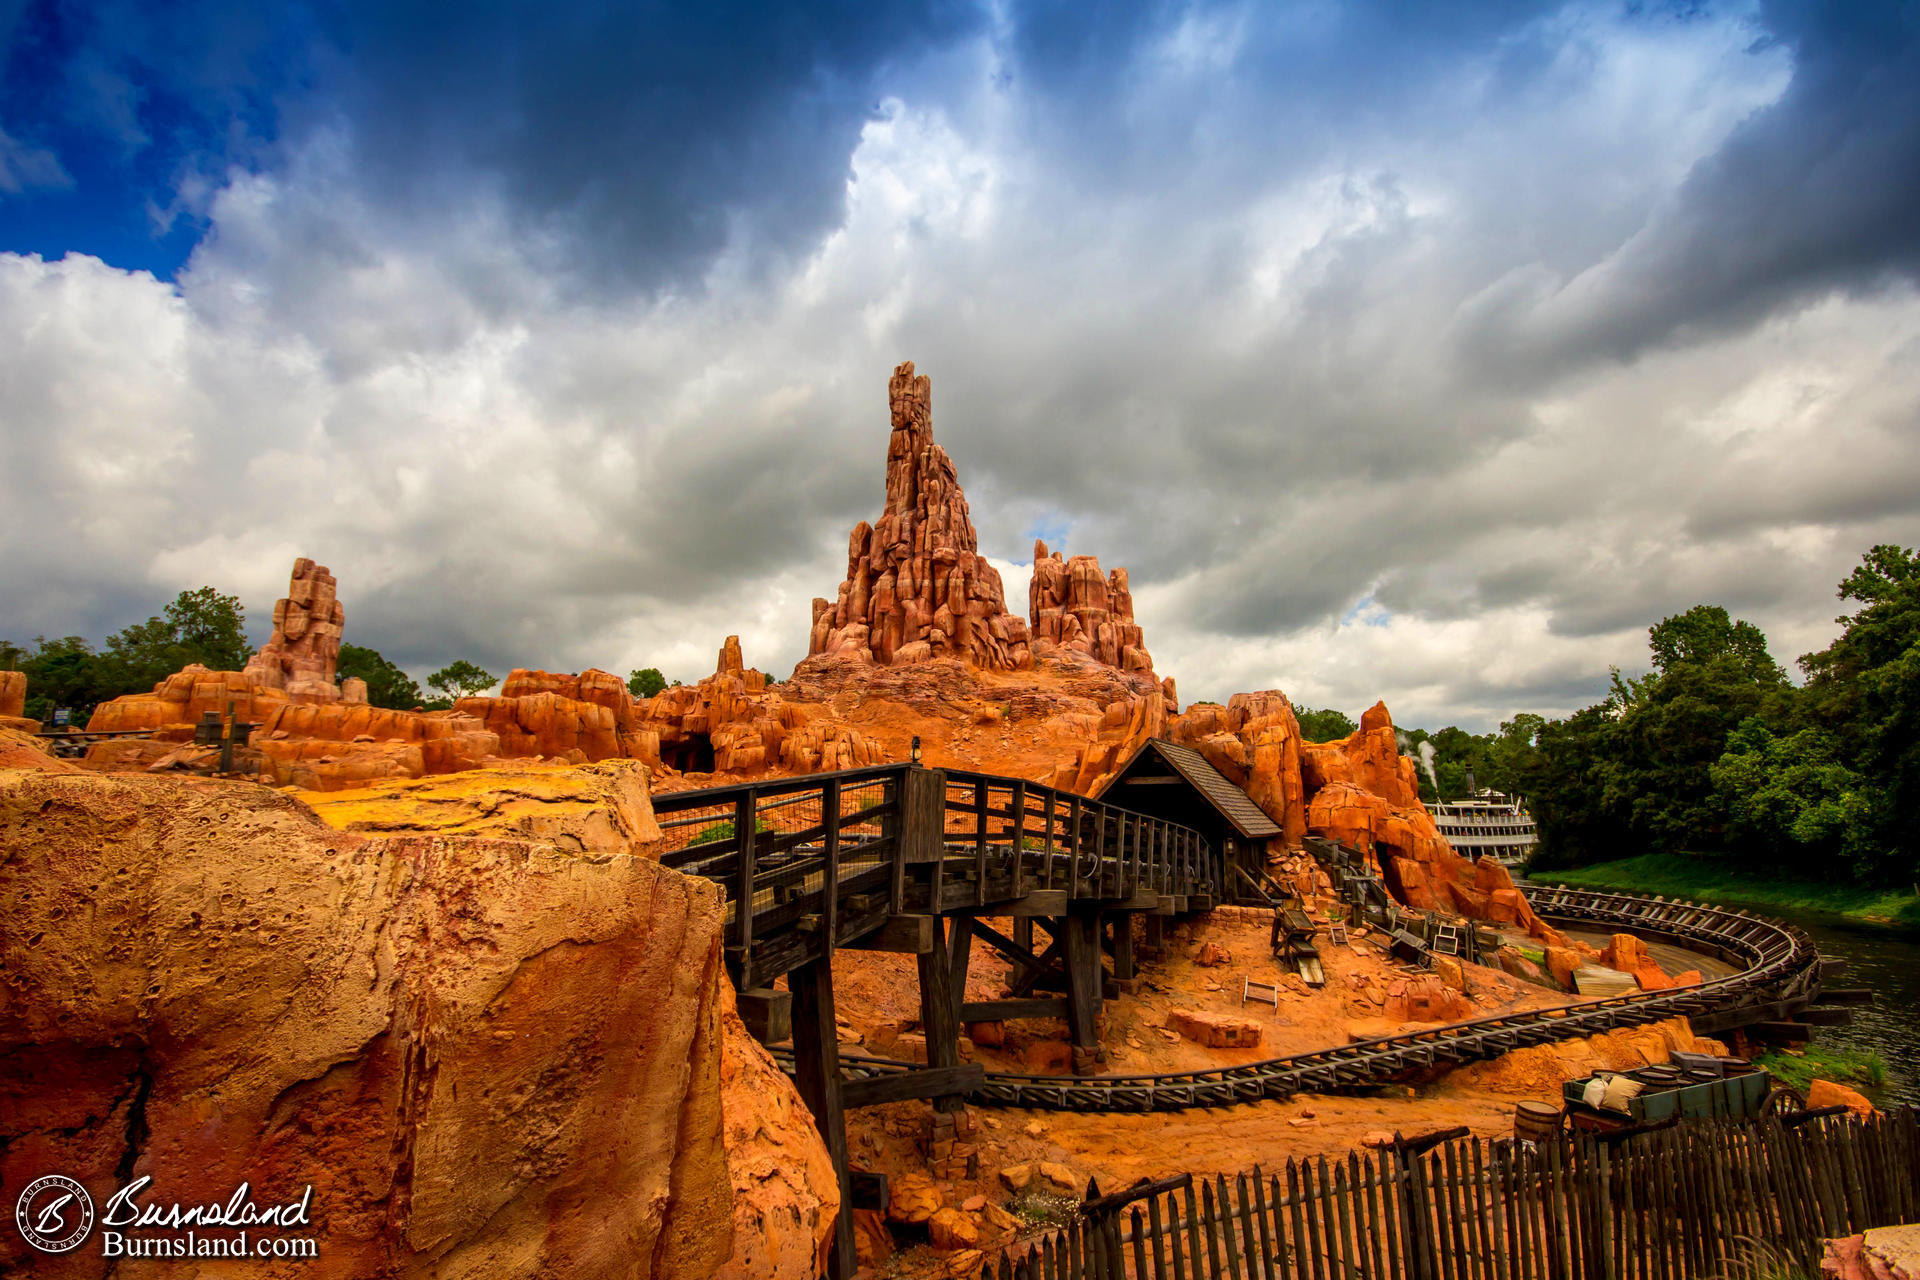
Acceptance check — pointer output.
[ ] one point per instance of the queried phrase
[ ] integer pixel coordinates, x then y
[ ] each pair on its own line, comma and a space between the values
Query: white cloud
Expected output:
1276, 386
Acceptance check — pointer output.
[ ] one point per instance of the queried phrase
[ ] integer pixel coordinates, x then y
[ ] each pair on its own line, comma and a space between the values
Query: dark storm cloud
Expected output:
643, 138
1815, 192
562, 335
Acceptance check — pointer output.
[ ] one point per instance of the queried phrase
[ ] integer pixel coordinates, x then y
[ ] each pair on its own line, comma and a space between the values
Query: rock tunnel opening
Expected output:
692, 755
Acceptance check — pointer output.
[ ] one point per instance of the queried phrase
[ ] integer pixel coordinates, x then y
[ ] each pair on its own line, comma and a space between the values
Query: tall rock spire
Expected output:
917, 586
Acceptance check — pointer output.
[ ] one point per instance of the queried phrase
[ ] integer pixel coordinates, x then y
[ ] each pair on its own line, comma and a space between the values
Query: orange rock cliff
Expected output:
917, 586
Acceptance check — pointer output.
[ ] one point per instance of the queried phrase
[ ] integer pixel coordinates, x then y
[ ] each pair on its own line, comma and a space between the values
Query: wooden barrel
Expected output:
1535, 1121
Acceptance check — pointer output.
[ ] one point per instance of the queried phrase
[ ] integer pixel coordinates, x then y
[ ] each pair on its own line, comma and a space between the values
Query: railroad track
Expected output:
1779, 971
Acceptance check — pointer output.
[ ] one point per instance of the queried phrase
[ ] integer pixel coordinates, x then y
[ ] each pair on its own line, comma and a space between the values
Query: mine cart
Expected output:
1293, 943
1693, 1087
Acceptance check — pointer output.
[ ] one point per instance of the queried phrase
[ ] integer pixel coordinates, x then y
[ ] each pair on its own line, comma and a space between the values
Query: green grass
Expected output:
1820, 1061
1707, 879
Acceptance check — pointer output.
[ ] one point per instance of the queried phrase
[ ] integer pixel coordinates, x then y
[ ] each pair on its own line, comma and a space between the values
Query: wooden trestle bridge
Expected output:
913, 860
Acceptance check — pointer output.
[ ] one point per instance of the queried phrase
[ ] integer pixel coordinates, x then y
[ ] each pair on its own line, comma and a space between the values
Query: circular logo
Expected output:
54, 1213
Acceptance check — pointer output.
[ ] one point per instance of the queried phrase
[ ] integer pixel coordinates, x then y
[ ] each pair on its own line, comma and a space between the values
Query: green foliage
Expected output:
1323, 726
1706, 634
1497, 760
460, 679
1731, 880
1822, 1060
387, 685
1636, 772
645, 682
1790, 800
724, 831
200, 626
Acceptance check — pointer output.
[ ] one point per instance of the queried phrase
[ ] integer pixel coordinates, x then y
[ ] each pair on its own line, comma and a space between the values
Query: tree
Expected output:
1791, 802
645, 682
1864, 688
1635, 773
200, 626
460, 679
212, 626
1704, 634
1323, 726
387, 685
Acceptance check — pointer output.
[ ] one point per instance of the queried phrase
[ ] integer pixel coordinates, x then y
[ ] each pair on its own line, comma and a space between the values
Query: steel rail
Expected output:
1781, 965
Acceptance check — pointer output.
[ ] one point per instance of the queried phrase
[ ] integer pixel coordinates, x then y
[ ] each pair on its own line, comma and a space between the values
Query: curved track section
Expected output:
1780, 968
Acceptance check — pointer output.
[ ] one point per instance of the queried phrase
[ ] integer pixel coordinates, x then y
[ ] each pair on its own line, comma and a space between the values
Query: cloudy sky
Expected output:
1404, 351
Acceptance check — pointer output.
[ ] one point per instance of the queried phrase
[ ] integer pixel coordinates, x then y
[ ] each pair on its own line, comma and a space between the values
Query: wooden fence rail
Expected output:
1700, 1200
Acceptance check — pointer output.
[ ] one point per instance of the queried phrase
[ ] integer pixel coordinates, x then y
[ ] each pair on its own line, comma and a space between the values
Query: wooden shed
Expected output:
1166, 780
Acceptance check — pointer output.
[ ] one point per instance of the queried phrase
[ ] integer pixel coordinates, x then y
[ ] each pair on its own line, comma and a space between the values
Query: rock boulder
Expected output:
486, 1057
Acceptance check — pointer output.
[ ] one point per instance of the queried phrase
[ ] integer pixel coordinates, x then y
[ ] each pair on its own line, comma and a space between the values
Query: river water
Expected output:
1888, 962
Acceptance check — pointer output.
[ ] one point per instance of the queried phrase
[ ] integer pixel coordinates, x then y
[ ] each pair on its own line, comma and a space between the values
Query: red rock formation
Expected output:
302, 654
544, 713
1369, 758
1070, 604
785, 1193
21, 750
1255, 741
13, 694
917, 586
1363, 793
732, 723
176, 704
485, 1056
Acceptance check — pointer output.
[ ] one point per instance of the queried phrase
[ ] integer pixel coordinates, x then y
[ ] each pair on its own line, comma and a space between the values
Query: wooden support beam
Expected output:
942, 1084
1083, 984
1010, 948
906, 935
1041, 902
1825, 1017
939, 1004
923, 815
816, 1073
1123, 966
767, 1013
1849, 995
1024, 982
1156, 925
1777, 1031
1003, 1010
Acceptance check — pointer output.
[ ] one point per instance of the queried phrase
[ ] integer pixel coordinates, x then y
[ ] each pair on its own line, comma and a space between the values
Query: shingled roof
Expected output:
1234, 804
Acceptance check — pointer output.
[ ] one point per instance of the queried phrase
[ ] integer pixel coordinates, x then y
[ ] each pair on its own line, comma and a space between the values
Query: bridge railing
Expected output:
1048, 839
826, 854
790, 851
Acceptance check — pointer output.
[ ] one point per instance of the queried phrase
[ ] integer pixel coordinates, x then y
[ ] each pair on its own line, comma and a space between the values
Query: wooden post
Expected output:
1083, 985
1123, 967
816, 1071
1047, 849
830, 820
940, 1005
745, 818
1019, 805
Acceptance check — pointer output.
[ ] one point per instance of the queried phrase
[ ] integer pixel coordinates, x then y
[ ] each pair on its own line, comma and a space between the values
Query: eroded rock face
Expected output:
917, 586
303, 653
785, 1194
487, 1057
731, 722
1542, 1069
1071, 604
13, 695
176, 704
545, 713
602, 808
